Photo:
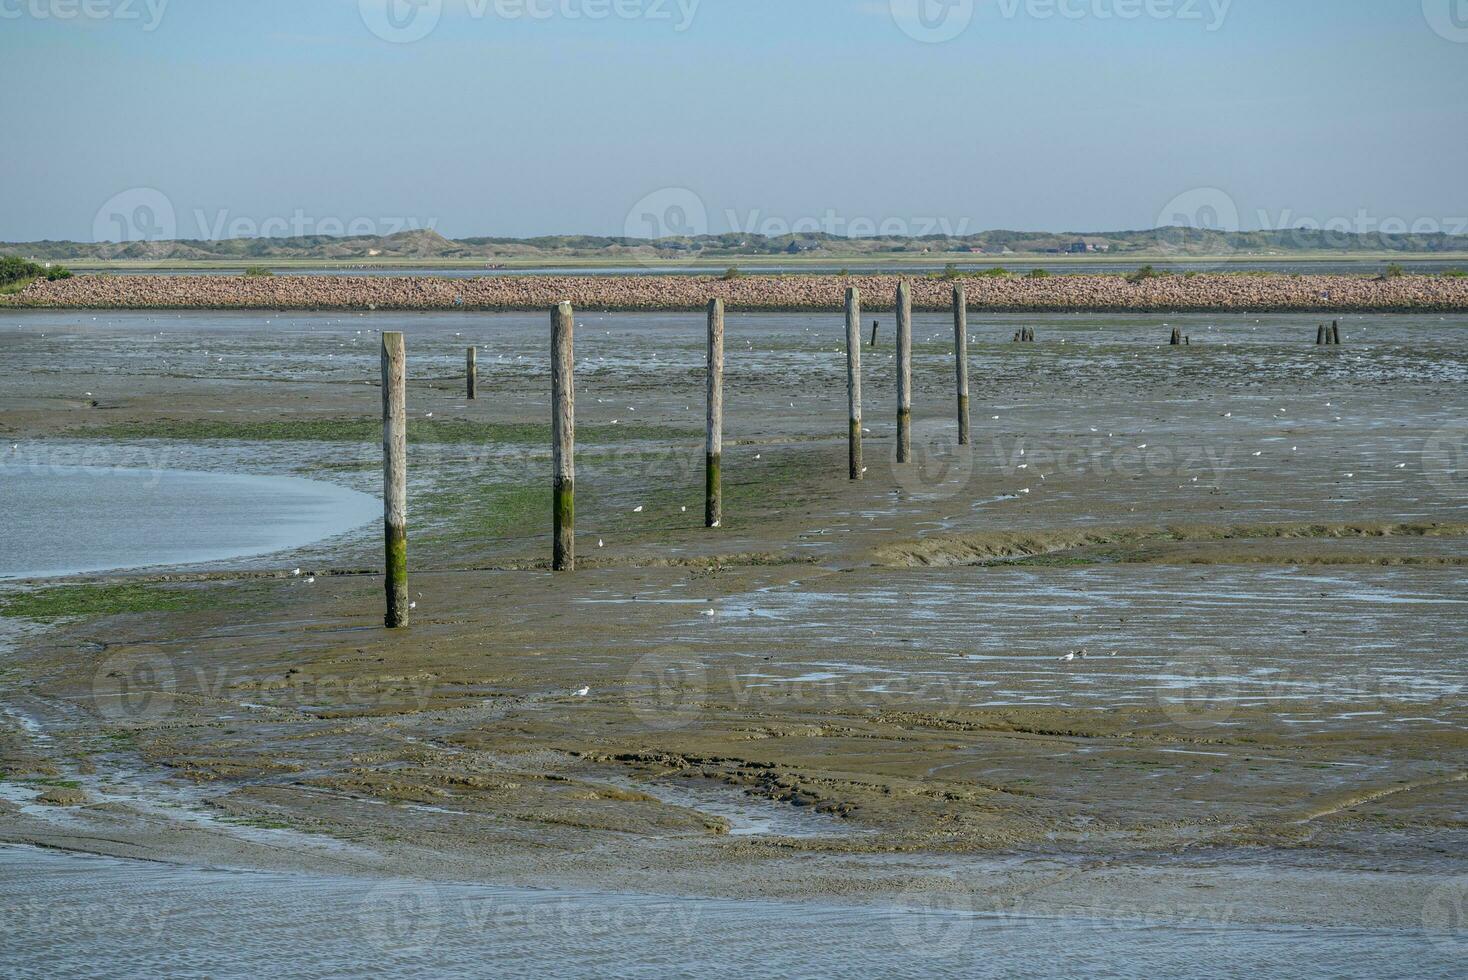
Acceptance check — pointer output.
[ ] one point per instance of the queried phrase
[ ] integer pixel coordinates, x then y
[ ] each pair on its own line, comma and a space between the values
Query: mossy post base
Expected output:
395, 477
713, 507
563, 438
904, 372
471, 372
960, 359
853, 377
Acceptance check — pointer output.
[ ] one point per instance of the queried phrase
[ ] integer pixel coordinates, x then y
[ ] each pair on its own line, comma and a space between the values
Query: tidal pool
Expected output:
65, 520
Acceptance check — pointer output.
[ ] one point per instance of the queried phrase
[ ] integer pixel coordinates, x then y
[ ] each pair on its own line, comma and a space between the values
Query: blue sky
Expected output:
293, 115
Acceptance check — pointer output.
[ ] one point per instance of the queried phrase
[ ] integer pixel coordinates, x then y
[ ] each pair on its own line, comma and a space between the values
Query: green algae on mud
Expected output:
61, 602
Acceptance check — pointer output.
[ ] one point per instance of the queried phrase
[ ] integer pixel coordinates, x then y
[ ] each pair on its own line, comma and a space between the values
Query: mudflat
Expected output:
1179, 635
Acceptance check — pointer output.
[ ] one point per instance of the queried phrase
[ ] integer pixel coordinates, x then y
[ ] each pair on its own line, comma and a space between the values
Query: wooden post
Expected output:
904, 372
471, 371
853, 378
1320, 335
1335, 332
1017, 334
713, 508
1177, 337
960, 357
563, 437
875, 324
395, 477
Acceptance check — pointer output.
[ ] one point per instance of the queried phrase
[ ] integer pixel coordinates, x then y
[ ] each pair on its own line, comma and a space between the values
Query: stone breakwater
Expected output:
1060, 293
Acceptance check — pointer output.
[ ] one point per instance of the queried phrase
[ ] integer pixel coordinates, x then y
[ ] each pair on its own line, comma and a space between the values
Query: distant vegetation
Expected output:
426, 245
732, 273
1393, 271
16, 273
1144, 273
258, 271
1456, 274
1037, 274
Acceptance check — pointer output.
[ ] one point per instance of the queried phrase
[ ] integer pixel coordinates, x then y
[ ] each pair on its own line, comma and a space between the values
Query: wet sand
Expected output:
1329, 295
851, 692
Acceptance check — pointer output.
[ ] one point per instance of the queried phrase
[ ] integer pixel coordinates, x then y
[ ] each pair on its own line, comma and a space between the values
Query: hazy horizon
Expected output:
523, 118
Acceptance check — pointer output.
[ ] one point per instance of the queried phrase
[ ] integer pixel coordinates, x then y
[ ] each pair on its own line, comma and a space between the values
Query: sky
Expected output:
130, 119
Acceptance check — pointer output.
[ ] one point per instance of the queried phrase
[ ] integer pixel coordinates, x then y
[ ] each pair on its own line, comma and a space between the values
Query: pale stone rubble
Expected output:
1203, 293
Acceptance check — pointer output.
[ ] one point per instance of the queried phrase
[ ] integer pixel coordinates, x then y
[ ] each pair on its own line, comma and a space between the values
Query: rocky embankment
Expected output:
1101, 293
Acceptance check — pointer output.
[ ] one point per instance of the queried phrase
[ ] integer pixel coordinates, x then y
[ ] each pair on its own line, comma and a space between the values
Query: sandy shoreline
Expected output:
1326, 294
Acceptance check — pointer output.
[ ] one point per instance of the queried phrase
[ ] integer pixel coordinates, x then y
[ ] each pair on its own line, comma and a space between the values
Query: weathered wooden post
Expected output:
904, 372
1320, 335
471, 371
563, 437
713, 508
960, 357
853, 378
875, 324
1335, 332
395, 477
1177, 337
